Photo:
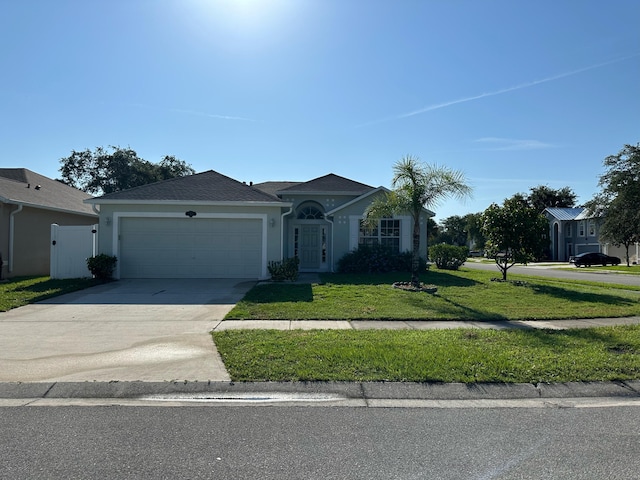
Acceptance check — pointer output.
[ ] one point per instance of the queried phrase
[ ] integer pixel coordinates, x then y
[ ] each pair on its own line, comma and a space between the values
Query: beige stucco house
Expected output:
29, 204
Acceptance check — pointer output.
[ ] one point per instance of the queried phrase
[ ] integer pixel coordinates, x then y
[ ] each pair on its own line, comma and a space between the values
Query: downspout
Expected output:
12, 234
95, 209
331, 223
282, 231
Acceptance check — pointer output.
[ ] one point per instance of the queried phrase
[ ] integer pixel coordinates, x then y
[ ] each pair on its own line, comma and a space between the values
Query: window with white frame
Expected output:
567, 230
592, 228
581, 228
386, 233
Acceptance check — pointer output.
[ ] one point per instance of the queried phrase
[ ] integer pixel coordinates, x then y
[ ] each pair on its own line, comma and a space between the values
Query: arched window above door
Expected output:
308, 211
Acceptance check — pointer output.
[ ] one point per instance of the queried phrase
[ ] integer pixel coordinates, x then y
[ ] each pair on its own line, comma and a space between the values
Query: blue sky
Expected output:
514, 94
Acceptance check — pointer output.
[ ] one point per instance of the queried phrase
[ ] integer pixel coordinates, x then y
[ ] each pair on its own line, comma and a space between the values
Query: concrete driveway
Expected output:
147, 330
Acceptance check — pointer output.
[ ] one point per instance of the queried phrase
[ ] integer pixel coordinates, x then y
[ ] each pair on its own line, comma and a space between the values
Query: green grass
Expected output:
20, 291
462, 295
461, 355
622, 268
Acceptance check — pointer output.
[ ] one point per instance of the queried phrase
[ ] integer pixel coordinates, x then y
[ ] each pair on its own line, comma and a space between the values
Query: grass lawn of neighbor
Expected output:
20, 291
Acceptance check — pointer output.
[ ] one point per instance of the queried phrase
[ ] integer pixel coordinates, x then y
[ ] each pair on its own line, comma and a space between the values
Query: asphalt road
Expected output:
593, 274
319, 443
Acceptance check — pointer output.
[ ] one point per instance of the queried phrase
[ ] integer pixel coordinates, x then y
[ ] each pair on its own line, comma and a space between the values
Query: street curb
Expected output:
352, 390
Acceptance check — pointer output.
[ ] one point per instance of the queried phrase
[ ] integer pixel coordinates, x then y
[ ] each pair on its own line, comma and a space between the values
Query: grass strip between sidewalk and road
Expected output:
462, 295
459, 355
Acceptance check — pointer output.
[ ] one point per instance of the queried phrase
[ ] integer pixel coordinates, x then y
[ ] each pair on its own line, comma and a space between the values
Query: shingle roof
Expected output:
20, 185
329, 183
564, 213
273, 188
207, 186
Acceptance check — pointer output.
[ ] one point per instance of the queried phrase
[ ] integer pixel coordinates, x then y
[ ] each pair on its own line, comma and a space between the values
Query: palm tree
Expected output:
416, 186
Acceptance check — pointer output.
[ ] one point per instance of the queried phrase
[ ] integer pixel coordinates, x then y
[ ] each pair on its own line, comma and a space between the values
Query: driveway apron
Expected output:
129, 330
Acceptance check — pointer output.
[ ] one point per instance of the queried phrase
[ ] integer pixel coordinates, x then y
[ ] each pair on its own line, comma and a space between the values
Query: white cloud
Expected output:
502, 144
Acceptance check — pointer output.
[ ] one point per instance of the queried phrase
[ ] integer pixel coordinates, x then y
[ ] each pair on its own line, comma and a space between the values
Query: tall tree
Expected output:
617, 202
542, 196
455, 230
110, 170
416, 186
515, 233
475, 235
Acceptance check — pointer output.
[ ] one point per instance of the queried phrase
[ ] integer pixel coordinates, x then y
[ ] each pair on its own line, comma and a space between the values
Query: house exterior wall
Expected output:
31, 238
346, 226
110, 216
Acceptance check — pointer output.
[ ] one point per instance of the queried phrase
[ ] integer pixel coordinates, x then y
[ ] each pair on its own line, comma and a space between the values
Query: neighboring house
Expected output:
572, 231
211, 226
29, 204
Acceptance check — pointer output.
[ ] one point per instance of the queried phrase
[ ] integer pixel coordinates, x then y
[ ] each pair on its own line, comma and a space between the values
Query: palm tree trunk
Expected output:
415, 257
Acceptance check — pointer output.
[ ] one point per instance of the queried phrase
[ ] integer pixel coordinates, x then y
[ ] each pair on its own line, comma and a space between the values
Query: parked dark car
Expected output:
594, 258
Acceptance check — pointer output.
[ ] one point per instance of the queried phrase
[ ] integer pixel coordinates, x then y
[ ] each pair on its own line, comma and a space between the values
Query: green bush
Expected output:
101, 266
448, 257
287, 269
376, 259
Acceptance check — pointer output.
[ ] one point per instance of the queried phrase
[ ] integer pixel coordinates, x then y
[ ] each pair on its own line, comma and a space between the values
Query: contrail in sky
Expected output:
499, 92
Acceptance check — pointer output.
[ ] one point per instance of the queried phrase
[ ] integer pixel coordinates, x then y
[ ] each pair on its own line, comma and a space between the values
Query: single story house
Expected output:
29, 204
208, 225
572, 231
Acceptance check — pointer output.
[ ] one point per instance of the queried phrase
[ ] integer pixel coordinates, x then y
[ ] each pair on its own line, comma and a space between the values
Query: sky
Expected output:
513, 94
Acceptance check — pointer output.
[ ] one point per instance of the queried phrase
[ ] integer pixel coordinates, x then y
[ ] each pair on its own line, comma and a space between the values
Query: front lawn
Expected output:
461, 355
462, 295
17, 292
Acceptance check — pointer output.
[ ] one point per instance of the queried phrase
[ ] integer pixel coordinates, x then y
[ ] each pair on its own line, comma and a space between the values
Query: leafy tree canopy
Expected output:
515, 233
617, 202
542, 196
108, 170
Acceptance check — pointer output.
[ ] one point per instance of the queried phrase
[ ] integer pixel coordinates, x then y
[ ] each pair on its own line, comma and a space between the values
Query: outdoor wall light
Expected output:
108, 221
272, 222
190, 213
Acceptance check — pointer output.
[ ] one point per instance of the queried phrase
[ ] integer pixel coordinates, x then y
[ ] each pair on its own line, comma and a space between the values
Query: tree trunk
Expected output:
415, 257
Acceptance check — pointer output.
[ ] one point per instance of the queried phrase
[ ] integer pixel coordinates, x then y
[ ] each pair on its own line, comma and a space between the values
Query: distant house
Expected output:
29, 204
208, 225
572, 231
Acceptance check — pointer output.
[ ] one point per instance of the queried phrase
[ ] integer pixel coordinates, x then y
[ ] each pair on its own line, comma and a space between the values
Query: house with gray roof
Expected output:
209, 225
29, 204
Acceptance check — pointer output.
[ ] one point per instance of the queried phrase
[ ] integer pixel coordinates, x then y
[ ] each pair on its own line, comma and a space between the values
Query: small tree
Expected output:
618, 201
416, 186
515, 233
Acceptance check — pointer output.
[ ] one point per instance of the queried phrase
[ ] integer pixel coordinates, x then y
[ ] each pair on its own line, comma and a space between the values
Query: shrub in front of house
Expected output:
376, 259
287, 269
448, 257
101, 266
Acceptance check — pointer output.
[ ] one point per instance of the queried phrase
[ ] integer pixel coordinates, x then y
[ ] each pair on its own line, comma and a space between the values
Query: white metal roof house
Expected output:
572, 231
208, 225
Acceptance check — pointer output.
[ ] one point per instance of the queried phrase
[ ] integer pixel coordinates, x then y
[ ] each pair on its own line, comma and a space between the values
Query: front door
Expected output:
310, 247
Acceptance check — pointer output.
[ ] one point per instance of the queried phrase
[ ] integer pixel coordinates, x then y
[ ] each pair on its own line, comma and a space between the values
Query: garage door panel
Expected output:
190, 248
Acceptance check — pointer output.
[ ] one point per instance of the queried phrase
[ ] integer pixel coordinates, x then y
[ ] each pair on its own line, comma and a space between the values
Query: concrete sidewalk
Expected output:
421, 324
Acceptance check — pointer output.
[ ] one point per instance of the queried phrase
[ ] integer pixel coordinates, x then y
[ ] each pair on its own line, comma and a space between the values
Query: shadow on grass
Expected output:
607, 337
581, 297
275, 293
23, 290
435, 277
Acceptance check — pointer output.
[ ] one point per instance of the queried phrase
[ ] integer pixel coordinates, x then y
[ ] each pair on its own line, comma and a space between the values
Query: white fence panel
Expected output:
70, 248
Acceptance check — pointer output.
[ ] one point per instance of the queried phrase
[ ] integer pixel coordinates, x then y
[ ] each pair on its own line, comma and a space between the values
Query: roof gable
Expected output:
22, 186
330, 183
564, 213
209, 186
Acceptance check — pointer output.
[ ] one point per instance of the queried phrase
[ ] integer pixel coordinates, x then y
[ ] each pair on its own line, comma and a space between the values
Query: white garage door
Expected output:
190, 248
